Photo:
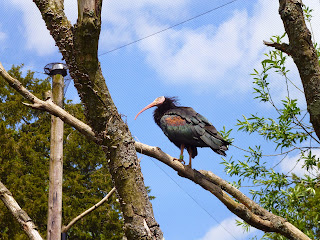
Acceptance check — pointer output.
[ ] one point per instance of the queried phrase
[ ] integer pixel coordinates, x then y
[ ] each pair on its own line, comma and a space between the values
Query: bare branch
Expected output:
247, 209
47, 105
283, 47
21, 216
14, 83
89, 210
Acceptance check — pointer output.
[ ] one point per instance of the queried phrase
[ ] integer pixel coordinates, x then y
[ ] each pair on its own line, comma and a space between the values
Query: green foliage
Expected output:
282, 130
307, 13
226, 134
24, 167
285, 194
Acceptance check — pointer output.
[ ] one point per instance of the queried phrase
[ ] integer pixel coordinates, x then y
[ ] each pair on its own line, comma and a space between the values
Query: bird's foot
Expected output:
180, 159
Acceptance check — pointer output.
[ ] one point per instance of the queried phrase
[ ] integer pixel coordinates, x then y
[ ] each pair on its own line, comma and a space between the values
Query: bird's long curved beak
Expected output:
153, 104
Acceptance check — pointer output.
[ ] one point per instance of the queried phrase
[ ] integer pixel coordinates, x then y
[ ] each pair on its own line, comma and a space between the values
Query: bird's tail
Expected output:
221, 149
216, 143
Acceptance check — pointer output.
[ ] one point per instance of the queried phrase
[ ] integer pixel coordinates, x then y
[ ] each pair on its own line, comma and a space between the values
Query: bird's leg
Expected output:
190, 155
181, 155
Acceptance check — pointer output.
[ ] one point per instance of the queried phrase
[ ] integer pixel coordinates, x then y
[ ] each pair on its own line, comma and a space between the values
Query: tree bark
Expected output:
246, 209
56, 165
22, 217
301, 49
79, 47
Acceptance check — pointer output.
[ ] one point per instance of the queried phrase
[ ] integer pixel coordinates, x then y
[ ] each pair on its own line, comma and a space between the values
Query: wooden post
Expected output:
56, 165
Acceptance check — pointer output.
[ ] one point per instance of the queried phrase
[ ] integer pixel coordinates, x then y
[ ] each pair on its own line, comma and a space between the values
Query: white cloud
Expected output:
126, 9
3, 36
37, 36
290, 164
119, 19
221, 56
227, 230
194, 55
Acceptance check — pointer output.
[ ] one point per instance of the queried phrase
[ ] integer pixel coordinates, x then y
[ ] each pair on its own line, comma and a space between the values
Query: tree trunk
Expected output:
301, 49
79, 47
56, 165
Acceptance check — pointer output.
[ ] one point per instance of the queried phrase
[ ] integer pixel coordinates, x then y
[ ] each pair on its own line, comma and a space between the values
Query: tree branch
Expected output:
280, 46
47, 105
89, 210
247, 209
21, 216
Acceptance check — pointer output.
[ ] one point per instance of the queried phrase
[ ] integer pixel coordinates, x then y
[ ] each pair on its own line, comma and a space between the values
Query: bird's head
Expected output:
157, 102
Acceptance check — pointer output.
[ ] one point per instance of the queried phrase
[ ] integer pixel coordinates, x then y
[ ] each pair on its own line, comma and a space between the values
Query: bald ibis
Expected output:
186, 128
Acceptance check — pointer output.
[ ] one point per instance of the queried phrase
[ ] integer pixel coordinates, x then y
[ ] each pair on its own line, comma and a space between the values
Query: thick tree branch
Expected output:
301, 49
89, 210
247, 209
22, 217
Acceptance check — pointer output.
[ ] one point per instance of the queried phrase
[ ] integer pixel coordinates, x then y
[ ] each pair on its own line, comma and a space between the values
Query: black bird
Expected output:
186, 128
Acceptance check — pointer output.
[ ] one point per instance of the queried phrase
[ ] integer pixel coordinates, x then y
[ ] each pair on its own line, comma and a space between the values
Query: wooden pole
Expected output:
56, 165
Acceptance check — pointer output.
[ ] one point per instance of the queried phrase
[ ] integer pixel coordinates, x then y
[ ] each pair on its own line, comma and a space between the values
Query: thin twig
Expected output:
267, 155
280, 161
301, 125
89, 210
294, 84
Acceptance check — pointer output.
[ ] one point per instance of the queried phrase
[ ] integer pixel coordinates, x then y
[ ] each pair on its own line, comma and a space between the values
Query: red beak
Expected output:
153, 104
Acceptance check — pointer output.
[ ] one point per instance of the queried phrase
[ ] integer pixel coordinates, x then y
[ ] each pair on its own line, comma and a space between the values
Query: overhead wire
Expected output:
170, 27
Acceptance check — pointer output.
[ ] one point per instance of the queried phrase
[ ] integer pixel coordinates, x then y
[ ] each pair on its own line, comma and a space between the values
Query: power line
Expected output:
193, 199
165, 29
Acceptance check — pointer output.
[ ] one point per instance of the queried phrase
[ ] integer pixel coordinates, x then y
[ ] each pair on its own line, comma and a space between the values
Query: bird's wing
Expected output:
201, 128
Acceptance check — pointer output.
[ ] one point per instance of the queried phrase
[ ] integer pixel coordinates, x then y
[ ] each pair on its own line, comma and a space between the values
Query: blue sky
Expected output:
206, 62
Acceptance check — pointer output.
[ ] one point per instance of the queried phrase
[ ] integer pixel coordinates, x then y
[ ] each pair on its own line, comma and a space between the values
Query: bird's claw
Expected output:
180, 160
